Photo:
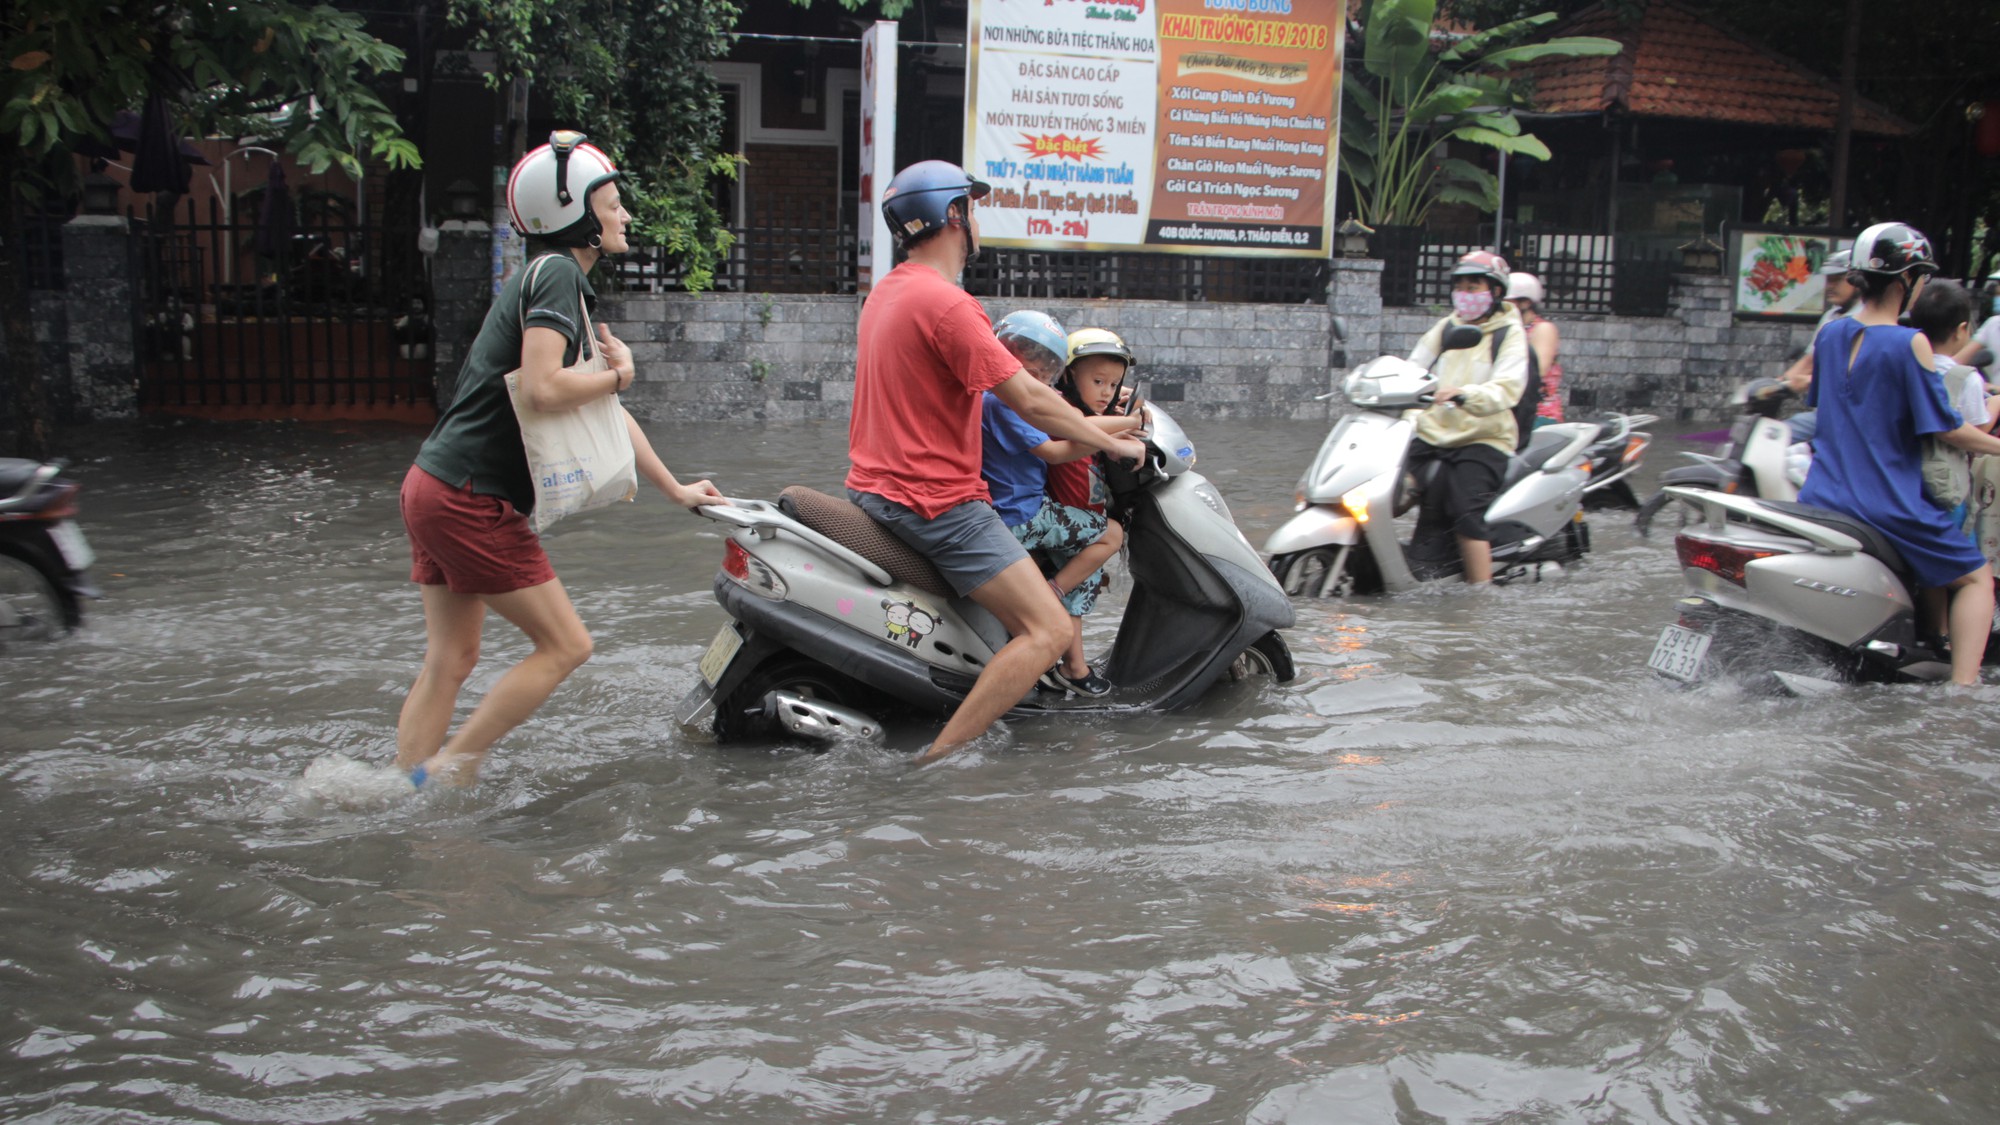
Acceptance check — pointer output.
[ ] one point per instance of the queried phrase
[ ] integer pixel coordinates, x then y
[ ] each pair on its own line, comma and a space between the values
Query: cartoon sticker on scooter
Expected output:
907, 622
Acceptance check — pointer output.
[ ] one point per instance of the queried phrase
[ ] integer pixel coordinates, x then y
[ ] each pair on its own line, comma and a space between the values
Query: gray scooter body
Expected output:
1200, 598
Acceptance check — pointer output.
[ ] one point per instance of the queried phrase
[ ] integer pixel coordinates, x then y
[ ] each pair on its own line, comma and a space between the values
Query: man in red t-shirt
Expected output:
926, 353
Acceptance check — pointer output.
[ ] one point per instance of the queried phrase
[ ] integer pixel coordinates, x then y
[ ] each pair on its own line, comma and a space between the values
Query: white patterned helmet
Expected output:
548, 193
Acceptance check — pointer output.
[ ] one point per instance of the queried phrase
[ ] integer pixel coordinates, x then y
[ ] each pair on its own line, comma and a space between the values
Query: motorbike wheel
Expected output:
32, 609
1266, 656
1304, 573
741, 716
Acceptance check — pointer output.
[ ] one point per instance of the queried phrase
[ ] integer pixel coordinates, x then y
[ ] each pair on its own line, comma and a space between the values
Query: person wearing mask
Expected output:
1469, 431
1876, 387
925, 355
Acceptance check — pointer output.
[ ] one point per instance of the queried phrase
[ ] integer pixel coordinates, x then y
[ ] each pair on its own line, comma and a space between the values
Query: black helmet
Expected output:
1893, 248
918, 201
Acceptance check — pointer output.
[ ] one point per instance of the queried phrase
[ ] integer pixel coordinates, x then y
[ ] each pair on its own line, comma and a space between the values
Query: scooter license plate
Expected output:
720, 652
74, 547
1679, 653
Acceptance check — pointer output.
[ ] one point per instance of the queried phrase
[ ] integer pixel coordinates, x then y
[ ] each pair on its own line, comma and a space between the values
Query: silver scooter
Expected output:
1789, 596
1755, 461
836, 623
1344, 539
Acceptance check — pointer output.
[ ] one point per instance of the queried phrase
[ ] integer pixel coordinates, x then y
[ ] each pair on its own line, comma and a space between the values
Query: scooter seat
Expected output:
1541, 447
15, 473
1872, 541
844, 522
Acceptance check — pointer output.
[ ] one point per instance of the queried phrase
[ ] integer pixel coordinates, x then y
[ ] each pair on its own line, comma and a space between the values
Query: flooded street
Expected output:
1475, 864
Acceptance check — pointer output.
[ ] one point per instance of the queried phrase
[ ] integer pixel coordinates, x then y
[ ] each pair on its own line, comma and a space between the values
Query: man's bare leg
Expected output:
1040, 630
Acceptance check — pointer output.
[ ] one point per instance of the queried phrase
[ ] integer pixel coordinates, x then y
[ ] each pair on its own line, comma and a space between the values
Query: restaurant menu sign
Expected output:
1199, 126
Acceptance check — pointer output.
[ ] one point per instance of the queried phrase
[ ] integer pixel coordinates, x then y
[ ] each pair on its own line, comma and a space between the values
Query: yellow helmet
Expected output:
1098, 341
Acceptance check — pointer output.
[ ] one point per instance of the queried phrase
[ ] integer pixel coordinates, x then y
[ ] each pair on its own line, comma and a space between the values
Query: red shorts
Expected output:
469, 542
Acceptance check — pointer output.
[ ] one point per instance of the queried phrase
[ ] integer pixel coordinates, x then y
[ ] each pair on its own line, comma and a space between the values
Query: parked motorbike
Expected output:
1751, 463
44, 557
835, 623
1786, 595
1344, 539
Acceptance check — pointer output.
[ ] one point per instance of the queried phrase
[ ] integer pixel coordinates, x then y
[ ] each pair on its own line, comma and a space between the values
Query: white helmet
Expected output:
548, 193
1524, 287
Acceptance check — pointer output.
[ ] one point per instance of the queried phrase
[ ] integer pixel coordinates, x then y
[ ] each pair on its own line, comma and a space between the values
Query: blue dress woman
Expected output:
1877, 394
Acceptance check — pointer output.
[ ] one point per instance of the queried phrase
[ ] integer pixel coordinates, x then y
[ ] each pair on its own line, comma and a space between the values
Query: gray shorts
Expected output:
968, 544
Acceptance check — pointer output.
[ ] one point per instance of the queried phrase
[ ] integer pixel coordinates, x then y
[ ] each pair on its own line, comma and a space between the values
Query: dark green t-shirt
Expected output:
478, 439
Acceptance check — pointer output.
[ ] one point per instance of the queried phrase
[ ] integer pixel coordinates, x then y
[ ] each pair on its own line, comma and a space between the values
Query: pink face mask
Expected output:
1472, 305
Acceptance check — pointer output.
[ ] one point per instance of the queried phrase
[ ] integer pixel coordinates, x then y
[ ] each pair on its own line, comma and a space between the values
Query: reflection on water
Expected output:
1474, 864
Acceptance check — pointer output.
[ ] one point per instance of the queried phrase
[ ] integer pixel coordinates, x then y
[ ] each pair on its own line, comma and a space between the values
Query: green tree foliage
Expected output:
631, 74
294, 74
1408, 97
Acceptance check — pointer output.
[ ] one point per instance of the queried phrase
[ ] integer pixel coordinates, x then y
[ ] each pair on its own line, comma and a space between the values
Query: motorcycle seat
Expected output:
1541, 447
1872, 541
843, 521
15, 473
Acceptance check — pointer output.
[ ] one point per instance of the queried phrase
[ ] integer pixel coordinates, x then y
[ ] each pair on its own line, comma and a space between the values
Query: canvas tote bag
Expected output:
580, 459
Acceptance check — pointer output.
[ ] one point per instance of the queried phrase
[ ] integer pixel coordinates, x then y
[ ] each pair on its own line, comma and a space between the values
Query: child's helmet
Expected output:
1037, 340
918, 201
548, 193
1097, 341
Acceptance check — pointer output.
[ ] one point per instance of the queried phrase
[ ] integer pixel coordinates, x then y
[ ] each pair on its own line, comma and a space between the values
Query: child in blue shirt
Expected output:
1016, 468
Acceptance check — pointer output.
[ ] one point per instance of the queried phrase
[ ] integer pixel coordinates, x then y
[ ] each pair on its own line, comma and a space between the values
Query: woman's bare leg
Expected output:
451, 650
562, 644
1971, 624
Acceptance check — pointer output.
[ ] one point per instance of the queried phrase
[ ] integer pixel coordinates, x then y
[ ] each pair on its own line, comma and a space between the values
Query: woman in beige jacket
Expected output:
1469, 431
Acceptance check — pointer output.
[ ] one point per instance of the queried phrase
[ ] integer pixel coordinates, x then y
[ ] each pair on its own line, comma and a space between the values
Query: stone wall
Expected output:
717, 356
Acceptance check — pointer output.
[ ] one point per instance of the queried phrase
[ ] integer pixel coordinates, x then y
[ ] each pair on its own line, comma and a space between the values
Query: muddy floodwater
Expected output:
1476, 864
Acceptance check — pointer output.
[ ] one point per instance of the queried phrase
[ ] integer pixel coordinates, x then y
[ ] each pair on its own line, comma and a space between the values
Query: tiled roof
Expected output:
1676, 65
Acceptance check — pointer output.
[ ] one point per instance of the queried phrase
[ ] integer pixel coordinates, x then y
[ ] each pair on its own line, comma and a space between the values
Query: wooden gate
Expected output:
320, 317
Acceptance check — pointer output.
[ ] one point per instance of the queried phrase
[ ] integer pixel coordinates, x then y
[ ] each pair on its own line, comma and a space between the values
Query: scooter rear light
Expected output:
750, 572
1724, 560
1634, 446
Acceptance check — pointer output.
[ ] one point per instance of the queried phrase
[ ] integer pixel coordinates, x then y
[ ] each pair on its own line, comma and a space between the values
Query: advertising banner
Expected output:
1199, 126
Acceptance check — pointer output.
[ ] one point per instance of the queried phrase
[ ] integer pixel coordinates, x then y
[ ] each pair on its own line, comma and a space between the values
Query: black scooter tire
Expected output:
48, 611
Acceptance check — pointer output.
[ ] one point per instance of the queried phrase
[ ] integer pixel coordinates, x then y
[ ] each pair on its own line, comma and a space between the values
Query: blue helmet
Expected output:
919, 199
1037, 340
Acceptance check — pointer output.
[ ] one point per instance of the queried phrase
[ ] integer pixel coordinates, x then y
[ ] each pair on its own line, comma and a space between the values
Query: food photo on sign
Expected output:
1130, 124
1777, 272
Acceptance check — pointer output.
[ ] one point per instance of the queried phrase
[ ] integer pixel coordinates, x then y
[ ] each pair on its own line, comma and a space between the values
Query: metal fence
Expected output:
806, 260
1581, 272
234, 314
40, 257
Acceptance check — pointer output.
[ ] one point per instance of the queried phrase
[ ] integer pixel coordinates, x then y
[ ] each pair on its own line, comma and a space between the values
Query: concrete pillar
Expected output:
462, 291
100, 381
1355, 296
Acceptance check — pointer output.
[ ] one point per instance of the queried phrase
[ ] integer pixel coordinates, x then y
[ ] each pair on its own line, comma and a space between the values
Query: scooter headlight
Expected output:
1355, 500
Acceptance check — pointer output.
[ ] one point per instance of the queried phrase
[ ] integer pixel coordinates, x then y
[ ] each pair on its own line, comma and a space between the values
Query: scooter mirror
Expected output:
1461, 336
1339, 329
